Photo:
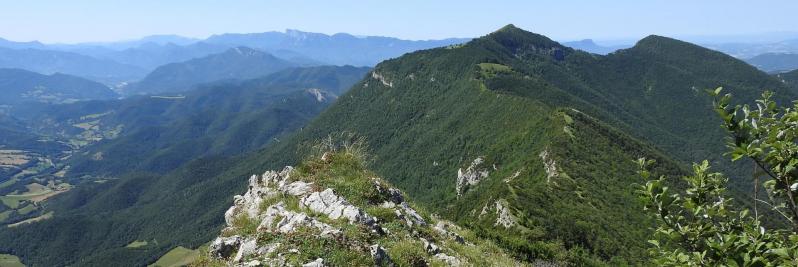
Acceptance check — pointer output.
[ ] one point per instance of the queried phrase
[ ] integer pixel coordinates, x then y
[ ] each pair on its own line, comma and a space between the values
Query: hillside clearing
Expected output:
178, 256
33, 220
8, 260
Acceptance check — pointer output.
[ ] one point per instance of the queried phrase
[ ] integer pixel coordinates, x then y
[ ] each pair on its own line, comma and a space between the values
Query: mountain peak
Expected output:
517, 40
657, 41
676, 49
513, 34
509, 28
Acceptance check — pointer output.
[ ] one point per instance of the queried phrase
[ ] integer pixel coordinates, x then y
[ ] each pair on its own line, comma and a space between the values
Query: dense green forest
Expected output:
165, 136
789, 78
526, 141
432, 112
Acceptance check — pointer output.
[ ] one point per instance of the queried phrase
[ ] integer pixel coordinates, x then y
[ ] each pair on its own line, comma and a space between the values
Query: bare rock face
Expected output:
377, 76
280, 219
471, 176
504, 216
269, 185
549, 165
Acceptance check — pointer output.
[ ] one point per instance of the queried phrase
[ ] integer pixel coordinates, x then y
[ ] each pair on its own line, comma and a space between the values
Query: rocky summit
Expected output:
331, 211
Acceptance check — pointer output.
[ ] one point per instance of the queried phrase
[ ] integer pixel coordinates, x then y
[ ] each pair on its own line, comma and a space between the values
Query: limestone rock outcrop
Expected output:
471, 175
292, 218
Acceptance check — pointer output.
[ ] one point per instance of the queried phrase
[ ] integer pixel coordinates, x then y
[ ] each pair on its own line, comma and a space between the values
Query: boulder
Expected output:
430, 247
335, 207
443, 228
248, 247
253, 263
317, 263
380, 256
410, 215
277, 218
224, 247
449, 260
395, 196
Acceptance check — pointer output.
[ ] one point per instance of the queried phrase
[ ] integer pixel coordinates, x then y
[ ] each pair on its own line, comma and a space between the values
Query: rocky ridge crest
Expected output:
302, 217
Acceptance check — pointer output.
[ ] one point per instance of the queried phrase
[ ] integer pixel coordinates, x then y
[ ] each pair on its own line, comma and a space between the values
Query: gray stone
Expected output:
335, 207
395, 196
549, 165
449, 260
503, 215
317, 263
224, 247
278, 219
430, 247
297, 188
253, 263
411, 217
380, 256
248, 247
443, 228
470, 176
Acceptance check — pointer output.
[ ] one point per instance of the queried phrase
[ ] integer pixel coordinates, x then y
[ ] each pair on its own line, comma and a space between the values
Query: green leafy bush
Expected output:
701, 226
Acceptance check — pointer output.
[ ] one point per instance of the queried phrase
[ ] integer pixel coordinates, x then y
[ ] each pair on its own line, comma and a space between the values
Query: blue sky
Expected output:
106, 20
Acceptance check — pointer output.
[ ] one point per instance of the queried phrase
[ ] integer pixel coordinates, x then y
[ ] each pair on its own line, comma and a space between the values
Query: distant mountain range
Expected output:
236, 63
589, 45
19, 86
149, 56
117, 62
349, 49
749, 50
775, 62
51, 61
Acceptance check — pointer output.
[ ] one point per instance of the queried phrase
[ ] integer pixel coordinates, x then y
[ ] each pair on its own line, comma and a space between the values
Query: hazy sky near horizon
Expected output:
108, 20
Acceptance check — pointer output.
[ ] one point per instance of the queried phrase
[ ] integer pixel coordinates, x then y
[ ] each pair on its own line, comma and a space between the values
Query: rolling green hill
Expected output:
775, 62
20, 86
